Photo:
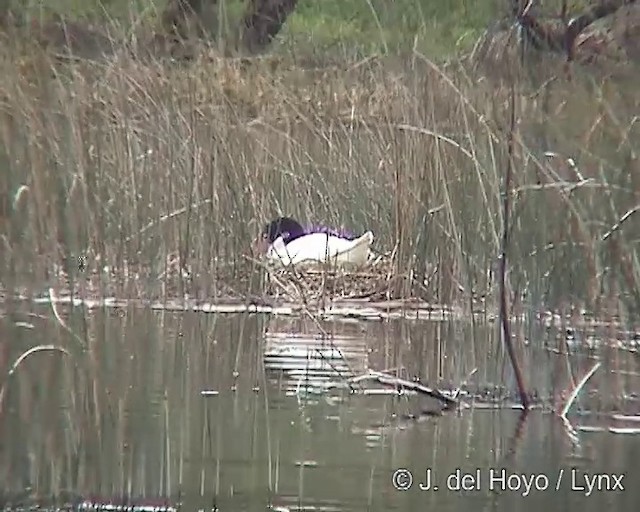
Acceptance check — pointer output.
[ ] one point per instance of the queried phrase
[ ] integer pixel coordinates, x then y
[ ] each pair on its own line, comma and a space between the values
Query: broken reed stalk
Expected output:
577, 389
504, 312
22, 358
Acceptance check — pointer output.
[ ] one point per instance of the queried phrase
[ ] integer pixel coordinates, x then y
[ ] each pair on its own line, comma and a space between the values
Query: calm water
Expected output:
248, 412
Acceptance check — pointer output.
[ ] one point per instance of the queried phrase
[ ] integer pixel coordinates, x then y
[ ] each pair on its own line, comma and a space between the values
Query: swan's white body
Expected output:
316, 248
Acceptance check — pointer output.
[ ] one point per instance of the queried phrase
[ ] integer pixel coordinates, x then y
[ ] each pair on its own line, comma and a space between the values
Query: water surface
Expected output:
246, 412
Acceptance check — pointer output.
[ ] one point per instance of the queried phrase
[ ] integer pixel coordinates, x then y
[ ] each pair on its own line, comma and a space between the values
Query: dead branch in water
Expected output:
402, 384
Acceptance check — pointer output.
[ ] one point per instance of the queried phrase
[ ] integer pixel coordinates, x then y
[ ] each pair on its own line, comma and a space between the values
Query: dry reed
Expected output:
137, 166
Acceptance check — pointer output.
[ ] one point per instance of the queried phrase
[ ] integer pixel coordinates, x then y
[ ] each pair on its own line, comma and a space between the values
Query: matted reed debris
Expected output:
379, 280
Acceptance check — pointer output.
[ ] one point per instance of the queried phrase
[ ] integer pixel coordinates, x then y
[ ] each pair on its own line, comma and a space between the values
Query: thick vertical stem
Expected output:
504, 310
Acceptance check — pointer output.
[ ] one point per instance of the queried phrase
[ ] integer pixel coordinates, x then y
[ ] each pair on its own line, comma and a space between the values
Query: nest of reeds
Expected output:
380, 279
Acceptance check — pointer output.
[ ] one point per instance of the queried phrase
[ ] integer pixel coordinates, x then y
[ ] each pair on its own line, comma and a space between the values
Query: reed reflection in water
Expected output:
242, 412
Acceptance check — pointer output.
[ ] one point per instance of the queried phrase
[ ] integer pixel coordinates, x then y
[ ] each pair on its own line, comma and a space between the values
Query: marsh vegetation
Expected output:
139, 165
145, 171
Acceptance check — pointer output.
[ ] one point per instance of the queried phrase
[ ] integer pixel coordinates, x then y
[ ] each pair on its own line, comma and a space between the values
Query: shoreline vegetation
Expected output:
492, 149
135, 175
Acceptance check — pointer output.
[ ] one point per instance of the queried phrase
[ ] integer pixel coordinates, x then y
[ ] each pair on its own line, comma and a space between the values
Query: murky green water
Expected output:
247, 412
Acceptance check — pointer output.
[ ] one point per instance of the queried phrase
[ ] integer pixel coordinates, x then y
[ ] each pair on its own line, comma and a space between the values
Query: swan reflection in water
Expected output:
314, 356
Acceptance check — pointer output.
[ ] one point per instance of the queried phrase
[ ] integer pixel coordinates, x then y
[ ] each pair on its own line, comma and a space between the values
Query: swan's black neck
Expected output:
286, 227
289, 229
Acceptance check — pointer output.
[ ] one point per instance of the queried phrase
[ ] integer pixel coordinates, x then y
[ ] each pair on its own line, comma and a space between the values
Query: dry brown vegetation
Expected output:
135, 164
117, 174
603, 28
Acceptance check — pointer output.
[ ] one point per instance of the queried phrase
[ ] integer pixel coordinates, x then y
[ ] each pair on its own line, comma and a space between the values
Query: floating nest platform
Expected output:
246, 281
379, 280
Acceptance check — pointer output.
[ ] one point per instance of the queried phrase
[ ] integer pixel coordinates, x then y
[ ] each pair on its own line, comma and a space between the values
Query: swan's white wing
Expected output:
320, 247
357, 251
313, 247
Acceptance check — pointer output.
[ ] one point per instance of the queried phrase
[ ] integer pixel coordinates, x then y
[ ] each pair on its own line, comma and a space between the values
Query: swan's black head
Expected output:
285, 227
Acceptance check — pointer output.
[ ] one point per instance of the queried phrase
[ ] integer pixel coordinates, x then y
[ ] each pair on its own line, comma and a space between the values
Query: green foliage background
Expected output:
434, 26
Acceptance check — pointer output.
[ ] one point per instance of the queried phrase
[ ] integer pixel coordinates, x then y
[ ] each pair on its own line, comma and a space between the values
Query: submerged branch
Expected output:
23, 357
